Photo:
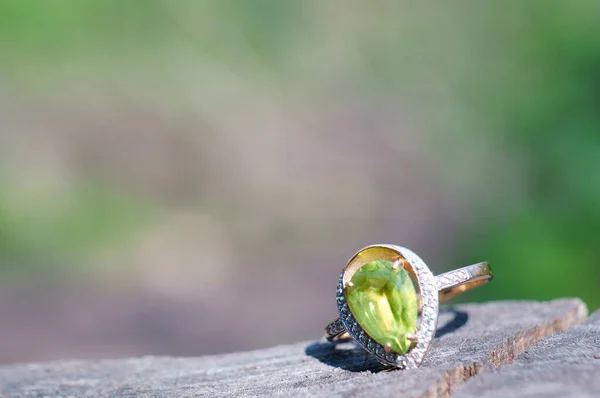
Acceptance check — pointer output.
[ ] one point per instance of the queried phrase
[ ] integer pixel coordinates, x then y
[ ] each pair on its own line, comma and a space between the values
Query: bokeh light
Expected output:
186, 177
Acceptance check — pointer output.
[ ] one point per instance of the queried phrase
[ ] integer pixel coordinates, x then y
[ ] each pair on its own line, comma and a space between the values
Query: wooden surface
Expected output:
468, 358
561, 365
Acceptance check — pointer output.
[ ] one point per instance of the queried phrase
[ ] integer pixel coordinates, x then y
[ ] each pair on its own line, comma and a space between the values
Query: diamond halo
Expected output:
427, 322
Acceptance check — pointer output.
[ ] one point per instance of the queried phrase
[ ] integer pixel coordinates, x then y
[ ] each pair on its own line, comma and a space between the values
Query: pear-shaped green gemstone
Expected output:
383, 301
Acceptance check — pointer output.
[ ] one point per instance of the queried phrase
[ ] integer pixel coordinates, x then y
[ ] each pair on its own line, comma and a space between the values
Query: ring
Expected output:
380, 308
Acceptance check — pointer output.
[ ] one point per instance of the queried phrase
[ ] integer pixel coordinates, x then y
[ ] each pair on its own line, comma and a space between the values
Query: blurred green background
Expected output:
175, 175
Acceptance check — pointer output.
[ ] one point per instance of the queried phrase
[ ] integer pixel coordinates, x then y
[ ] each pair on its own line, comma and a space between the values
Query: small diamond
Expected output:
401, 361
361, 337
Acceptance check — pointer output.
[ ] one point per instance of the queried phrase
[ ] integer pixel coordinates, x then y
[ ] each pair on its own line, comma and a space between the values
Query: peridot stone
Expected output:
383, 301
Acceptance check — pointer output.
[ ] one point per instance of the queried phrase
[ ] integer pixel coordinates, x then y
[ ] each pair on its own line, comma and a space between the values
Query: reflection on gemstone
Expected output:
383, 301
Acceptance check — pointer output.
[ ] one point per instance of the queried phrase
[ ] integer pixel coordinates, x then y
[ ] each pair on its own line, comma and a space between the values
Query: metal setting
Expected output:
433, 290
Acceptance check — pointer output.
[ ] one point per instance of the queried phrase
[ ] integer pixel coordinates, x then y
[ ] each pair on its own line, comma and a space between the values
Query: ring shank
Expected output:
449, 284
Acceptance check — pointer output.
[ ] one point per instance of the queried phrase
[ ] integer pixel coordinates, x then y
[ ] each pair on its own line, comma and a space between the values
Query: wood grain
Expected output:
472, 339
562, 365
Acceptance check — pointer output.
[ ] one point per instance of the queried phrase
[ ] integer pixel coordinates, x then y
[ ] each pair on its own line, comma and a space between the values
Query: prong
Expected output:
348, 284
411, 337
396, 264
387, 348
